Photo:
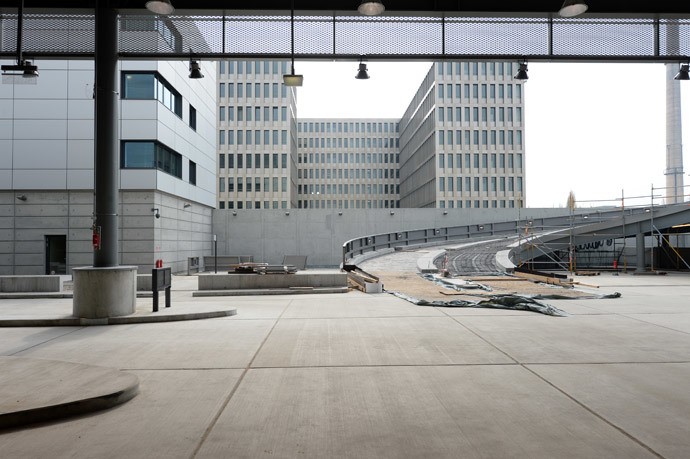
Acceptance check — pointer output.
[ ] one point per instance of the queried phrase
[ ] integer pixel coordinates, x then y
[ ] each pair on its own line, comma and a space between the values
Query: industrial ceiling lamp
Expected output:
371, 8
160, 7
572, 8
362, 74
521, 72
194, 68
23, 71
291, 79
683, 73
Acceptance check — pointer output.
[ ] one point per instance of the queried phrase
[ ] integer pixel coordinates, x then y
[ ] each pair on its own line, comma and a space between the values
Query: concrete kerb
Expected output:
425, 263
75, 389
121, 320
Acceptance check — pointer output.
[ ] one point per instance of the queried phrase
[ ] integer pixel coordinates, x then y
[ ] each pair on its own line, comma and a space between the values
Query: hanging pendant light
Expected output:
362, 73
683, 73
371, 8
291, 79
521, 72
160, 7
23, 71
572, 8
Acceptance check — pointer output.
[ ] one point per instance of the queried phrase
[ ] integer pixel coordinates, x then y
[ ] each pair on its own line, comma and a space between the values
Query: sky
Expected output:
596, 129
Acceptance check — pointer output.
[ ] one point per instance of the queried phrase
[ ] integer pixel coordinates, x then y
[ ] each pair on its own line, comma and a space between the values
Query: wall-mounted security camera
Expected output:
157, 212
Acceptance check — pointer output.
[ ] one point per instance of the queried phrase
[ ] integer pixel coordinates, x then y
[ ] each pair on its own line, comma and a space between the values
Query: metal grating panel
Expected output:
314, 35
52, 34
603, 37
387, 36
255, 35
345, 36
497, 36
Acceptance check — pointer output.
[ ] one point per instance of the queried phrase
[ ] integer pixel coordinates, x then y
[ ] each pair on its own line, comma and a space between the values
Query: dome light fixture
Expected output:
521, 72
572, 8
195, 70
683, 73
371, 8
160, 7
362, 73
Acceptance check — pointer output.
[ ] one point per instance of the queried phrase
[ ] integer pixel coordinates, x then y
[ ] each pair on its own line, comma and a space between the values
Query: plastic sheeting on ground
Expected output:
508, 301
444, 283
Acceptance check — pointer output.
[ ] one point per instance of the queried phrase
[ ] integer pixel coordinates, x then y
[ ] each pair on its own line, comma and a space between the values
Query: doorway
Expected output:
56, 254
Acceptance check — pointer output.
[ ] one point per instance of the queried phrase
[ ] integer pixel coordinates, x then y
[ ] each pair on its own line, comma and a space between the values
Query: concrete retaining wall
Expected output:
259, 281
29, 284
268, 235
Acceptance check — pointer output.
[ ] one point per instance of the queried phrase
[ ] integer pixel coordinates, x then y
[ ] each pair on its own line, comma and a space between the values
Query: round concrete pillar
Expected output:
104, 292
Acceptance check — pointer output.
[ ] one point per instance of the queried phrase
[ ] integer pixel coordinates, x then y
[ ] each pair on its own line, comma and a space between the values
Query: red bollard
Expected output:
615, 264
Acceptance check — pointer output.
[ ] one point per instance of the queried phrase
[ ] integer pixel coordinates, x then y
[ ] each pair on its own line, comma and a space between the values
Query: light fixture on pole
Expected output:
362, 73
572, 8
23, 71
194, 68
371, 8
160, 7
291, 79
521, 72
683, 73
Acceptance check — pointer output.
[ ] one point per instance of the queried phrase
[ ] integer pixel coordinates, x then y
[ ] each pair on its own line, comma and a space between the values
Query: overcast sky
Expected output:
595, 129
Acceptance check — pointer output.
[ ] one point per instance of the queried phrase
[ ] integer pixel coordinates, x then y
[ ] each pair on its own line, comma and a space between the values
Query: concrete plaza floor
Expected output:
355, 375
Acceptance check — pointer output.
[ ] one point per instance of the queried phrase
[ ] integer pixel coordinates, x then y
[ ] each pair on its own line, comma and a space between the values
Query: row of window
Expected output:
250, 113
245, 137
488, 91
477, 204
152, 86
473, 161
487, 137
252, 90
353, 174
345, 204
242, 161
154, 155
352, 126
488, 114
476, 68
455, 184
342, 158
252, 67
359, 188
252, 185
256, 205
386, 142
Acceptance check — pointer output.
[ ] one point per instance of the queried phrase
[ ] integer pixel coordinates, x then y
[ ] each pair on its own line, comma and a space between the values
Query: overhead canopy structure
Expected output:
634, 31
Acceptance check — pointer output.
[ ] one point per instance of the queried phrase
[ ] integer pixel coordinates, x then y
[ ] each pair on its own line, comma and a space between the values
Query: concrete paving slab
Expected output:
356, 304
680, 322
254, 308
581, 339
37, 390
499, 411
166, 420
375, 341
15, 340
196, 344
648, 401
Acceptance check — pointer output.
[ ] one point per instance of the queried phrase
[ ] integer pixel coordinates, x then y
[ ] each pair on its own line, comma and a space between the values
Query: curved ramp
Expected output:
37, 390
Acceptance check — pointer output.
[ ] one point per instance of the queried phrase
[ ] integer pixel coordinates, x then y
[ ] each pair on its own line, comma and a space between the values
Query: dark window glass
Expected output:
192, 173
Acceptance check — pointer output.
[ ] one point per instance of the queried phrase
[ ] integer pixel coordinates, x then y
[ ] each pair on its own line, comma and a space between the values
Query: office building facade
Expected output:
459, 144
167, 166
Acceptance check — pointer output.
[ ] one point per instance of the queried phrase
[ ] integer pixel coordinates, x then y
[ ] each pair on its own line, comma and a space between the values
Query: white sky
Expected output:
595, 129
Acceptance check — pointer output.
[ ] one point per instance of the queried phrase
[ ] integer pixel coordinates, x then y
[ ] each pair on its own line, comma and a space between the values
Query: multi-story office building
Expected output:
347, 163
461, 138
460, 143
167, 163
257, 153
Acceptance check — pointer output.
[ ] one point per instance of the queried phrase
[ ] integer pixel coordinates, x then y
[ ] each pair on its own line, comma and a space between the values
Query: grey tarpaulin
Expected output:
507, 301
514, 302
445, 283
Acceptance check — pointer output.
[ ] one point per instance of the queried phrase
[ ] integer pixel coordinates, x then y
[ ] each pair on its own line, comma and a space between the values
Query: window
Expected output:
150, 155
192, 117
152, 86
192, 172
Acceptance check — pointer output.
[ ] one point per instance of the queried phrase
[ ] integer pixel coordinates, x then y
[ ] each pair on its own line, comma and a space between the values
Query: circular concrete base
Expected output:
104, 292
